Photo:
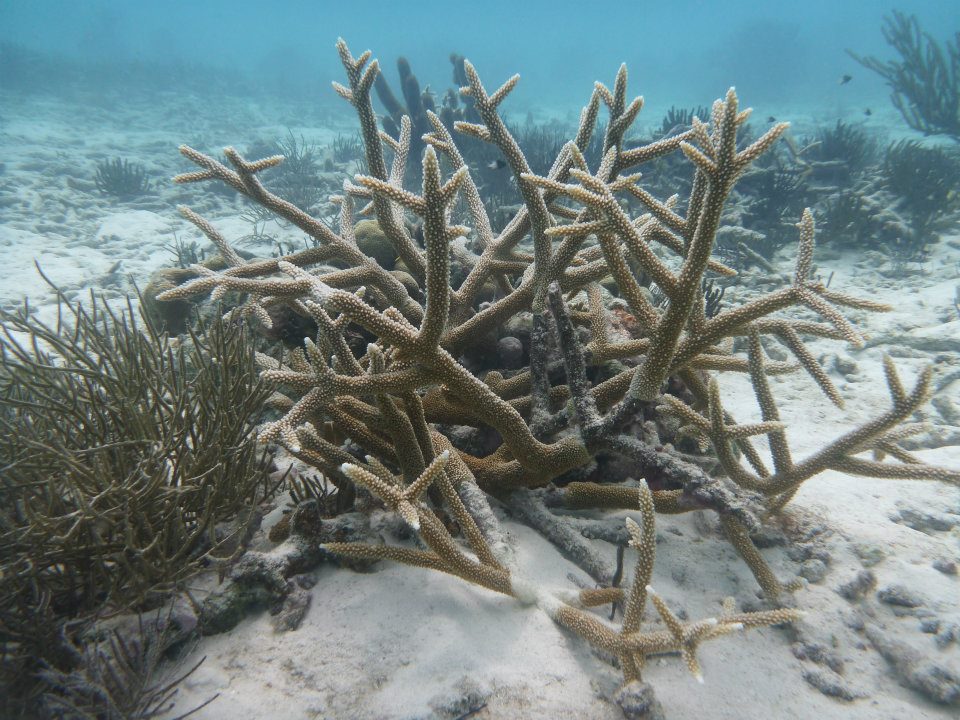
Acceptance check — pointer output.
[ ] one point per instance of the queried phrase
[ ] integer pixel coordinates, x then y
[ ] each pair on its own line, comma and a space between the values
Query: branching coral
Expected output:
925, 80
924, 180
121, 178
117, 677
552, 420
126, 466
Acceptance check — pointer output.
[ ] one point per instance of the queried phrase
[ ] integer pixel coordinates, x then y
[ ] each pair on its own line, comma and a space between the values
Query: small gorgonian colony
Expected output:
410, 403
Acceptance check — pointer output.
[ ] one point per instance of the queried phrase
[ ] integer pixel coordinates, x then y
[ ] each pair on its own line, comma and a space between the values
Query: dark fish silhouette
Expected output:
497, 164
868, 112
845, 79
771, 119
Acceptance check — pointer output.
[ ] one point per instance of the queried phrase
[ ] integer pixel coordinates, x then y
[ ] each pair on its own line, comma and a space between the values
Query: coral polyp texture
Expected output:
436, 424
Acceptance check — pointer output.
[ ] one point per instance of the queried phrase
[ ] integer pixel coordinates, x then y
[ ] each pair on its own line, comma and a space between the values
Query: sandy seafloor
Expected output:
409, 643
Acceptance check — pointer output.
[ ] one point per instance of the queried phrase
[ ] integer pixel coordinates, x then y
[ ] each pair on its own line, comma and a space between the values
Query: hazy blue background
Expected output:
681, 52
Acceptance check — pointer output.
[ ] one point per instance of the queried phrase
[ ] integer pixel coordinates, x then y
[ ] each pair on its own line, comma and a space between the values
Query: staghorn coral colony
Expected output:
495, 364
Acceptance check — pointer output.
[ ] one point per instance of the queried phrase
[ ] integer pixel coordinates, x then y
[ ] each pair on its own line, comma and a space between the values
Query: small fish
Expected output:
771, 119
497, 165
868, 112
845, 79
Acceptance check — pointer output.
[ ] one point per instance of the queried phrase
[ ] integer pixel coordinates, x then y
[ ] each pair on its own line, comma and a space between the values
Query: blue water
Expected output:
682, 53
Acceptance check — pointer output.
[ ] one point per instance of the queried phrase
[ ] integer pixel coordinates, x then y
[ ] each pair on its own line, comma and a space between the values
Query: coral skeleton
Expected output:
554, 418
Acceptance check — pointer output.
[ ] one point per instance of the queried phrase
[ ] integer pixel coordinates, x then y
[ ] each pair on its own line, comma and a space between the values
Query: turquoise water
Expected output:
773, 52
